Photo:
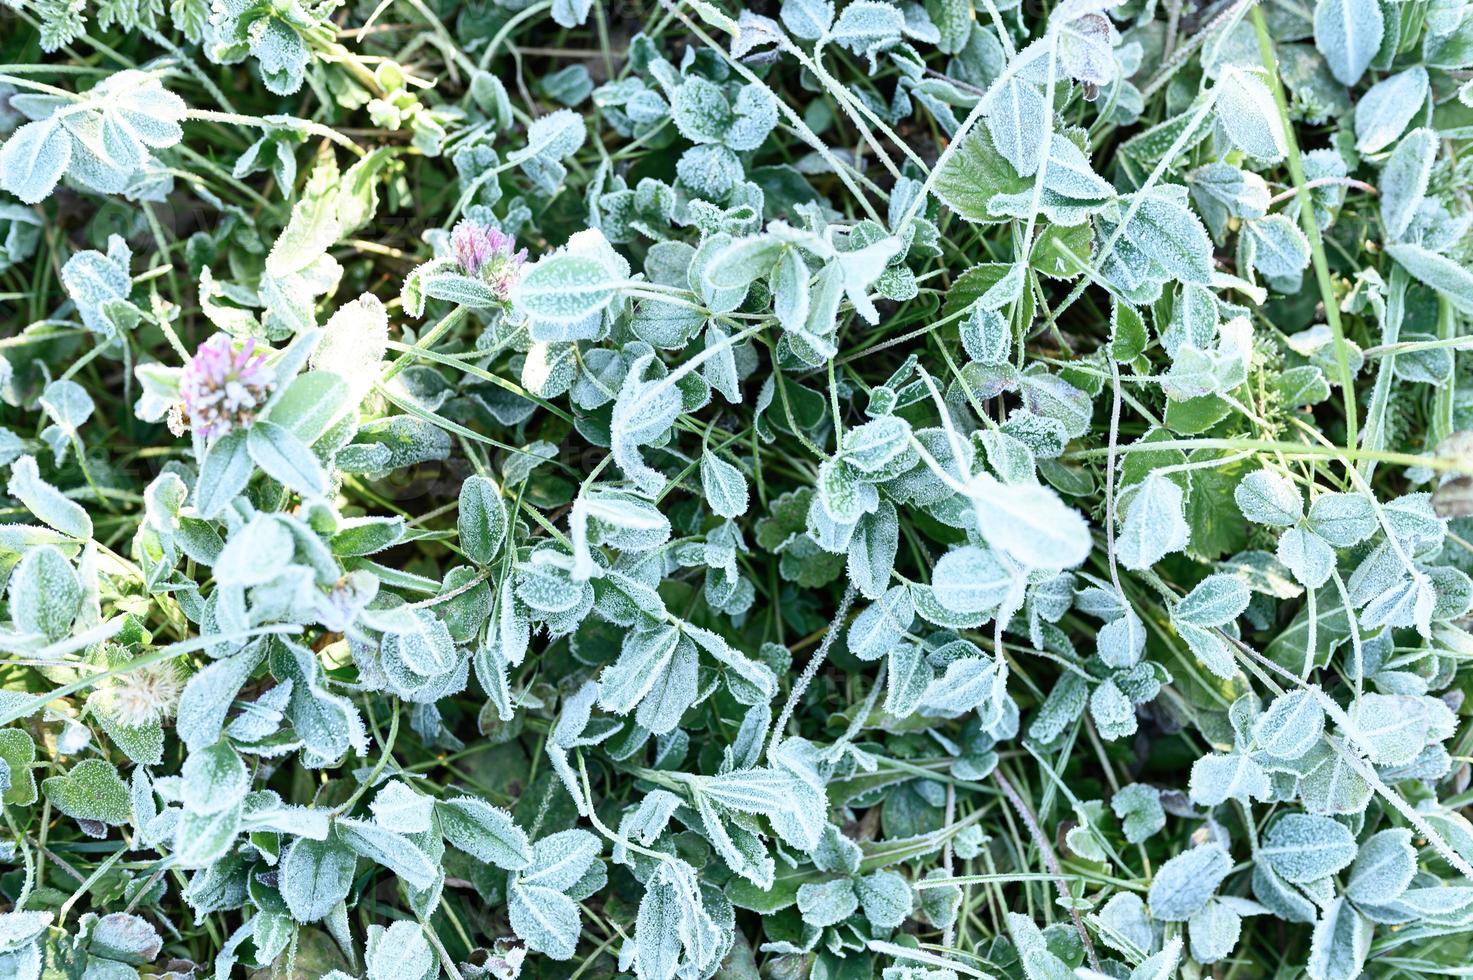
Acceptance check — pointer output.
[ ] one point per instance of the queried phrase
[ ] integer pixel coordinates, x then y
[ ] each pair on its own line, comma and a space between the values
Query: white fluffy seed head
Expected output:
145, 695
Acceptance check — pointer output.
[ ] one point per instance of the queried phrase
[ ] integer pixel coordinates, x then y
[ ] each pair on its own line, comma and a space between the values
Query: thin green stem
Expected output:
1311, 226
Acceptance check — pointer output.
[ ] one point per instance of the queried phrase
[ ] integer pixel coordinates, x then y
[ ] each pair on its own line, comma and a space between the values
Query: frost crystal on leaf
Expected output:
893, 489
